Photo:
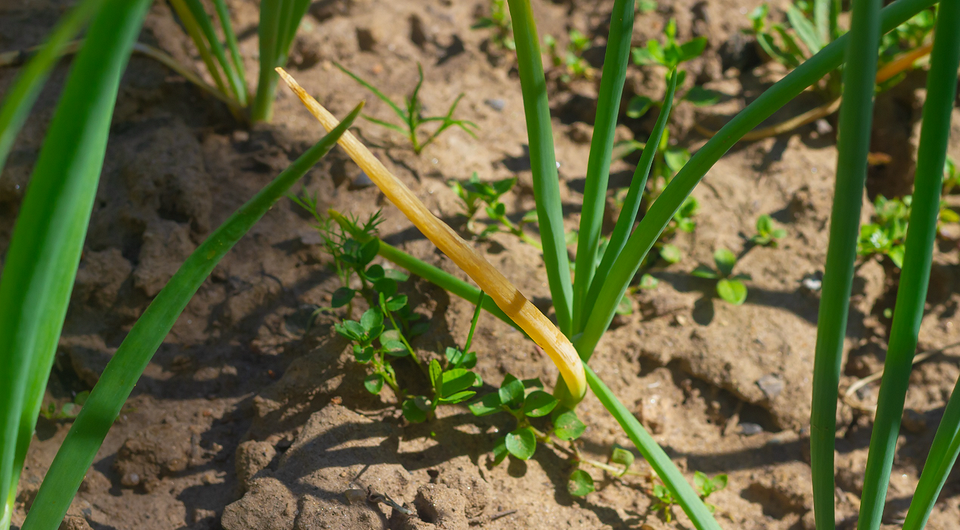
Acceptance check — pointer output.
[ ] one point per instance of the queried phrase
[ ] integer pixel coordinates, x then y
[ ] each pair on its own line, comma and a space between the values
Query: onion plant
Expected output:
278, 25
585, 307
44, 253
42, 260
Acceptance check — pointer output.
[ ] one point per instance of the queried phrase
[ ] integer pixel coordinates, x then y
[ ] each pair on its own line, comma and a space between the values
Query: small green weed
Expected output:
499, 23
411, 115
570, 60
767, 234
730, 287
68, 411
705, 486
475, 194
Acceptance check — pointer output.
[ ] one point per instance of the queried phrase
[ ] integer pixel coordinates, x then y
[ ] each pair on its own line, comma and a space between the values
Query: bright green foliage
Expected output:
706, 486
665, 502
580, 483
475, 194
381, 335
570, 60
730, 287
767, 234
888, 230
411, 114
671, 53
68, 411
499, 23
622, 457
886, 233
526, 401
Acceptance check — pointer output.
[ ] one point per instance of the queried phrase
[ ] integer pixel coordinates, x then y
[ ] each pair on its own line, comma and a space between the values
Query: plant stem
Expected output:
615, 62
543, 161
918, 256
413, 354
662, 210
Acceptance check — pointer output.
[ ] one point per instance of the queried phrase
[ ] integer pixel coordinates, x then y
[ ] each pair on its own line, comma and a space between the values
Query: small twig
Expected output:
889, 70
489, 518
382, 498
860, 383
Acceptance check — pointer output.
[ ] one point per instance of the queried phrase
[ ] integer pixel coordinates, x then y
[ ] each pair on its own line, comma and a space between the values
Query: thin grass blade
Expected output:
200, 15
192, 26
918, 256
853, 146
940, 461
268, 32
614, 74
127, 364
672, 197
231, 37
631, 205
380, 95
26, 87
543, 161
44, 253
654, 455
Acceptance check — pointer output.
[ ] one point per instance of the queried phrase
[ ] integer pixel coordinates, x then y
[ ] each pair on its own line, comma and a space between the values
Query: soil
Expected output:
251, 416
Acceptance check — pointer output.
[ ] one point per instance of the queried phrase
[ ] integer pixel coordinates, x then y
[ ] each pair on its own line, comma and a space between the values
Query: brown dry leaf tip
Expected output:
507, 297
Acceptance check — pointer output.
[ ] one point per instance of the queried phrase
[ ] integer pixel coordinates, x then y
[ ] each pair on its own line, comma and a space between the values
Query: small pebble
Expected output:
495, 104
913, 421
823, 127
749, 429
770, 385
811, 283
241, 136
130, 480
355, 496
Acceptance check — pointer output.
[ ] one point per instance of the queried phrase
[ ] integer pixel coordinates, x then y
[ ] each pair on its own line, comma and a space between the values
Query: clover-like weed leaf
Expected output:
457, 380
623, 457
511, 391
522, 443
373, 383
725, 260
539, 403
372, 322
412, 411
342, 297
670, 253
436, 374
732, 291
486, 405
567, 426
580, 483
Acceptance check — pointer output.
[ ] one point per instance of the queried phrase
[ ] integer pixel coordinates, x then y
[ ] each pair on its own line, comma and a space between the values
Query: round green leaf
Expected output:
732, 291
375, 272
373, 383
725, 260
511, 391
580, 483
567, 426
623, 457
670, 253
342, 297
539, 403
371, 320
412, 412
522, 443
488, 404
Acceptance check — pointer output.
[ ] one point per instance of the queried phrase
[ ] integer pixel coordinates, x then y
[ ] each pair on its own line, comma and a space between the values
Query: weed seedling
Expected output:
705, 486
767, 235
499, 23
411, 115
570, 60
68, 411
730, 287
474, 194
